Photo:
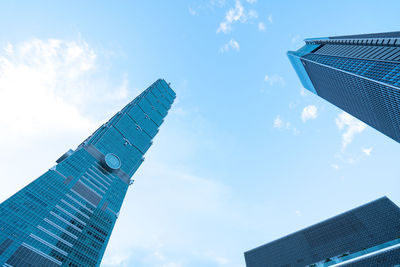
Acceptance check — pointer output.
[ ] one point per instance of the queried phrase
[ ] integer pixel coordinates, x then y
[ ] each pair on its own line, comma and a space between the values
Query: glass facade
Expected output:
368, 234
359, 74
66, 216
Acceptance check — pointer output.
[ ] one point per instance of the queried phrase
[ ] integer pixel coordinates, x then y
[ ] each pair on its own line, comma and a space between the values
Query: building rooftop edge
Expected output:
331, 218
392, 34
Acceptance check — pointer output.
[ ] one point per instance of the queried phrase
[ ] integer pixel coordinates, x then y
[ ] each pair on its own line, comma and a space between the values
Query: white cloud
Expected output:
278, 123
171, 264
335, 166
231, 45
303, 91
192, 11
367, 151
274, 79
233, 15
252, 14
309, 113
8, 49
34, 78
236, 14
261, 26
222, 260
298, 213
292, 105
218, 3
295, 131
116, 258
353, 126
270, 19
295, 39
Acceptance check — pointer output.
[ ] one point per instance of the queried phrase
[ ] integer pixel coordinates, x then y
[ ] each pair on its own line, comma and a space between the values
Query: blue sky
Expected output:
245, 156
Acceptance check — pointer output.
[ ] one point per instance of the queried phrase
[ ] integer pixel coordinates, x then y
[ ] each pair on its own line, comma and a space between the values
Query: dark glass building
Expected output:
66, 216
365, 236
358, 73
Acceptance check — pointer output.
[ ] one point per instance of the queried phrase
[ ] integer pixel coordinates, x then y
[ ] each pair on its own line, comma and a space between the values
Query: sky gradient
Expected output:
245, 155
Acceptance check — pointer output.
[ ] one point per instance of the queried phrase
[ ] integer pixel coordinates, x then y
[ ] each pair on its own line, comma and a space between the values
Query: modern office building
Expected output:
359, 74
66, 216
365, 236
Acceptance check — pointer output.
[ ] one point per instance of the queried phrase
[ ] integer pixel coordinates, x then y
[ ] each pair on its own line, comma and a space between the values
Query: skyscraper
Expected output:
359, 74
65, 217
365, 236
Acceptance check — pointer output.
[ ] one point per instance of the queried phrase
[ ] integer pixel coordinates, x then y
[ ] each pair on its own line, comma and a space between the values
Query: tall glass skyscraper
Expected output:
65, 217
365, 236
359, 74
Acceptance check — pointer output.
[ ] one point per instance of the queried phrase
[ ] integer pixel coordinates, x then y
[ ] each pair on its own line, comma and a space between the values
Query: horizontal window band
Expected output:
65, 221
54, 236
70, 215
41, 253
48, 244
79, 203
60, 228
75, 209
87, 201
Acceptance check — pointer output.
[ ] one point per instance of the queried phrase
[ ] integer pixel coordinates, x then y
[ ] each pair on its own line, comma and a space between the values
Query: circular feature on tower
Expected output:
112, 162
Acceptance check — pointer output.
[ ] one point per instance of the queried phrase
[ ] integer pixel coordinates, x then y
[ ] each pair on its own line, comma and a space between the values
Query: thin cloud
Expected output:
351, 127
261, 26
278, 123
295, 39
303, 91
335, 166
192, 11
236, 14
270, 19
233, 15
274, 79
231, 45
309, 113
367, 151
252, 14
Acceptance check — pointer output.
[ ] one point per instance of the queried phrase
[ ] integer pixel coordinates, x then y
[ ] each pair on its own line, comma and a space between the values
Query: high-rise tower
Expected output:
65, 217
365, 236
359, 74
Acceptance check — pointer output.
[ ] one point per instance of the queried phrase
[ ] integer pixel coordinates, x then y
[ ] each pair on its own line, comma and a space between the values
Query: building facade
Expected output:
66, 216
359, 74
365, 236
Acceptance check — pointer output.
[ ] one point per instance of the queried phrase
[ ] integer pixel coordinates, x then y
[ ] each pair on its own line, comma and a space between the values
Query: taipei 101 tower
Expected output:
66, 216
